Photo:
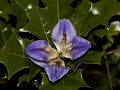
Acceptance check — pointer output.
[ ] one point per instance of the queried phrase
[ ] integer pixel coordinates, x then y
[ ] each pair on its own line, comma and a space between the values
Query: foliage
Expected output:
24, 21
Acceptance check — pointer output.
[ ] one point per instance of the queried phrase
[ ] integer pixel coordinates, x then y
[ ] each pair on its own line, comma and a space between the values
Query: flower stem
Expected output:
109, 75
112, 51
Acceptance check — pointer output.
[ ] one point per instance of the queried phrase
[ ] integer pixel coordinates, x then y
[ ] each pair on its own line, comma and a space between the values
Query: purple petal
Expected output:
80, 46
41, 64
63, 27
55, 72
35, 50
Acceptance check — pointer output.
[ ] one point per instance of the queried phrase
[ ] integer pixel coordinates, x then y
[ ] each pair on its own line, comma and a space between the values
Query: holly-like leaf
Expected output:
30, 73
2, 42
11, 55
92, 57
36, 25
101, 32
42, 20
55, 10
73, 81
80, 14
13, 8
4, 9
34, 70
23, 76
5, 32
98, 13
20, 13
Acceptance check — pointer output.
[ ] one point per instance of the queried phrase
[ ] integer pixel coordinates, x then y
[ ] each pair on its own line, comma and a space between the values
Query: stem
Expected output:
107, 66
112, 51
109, 75
58, 10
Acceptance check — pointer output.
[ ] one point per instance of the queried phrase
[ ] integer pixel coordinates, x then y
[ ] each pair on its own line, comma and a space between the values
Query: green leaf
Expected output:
55, 10
101, 32
36, 25
11, 55
5, 32
99, 13
15, 9
80, 15
65, 9
42, 20
91, 40
113, 30
20, 13
114, 26
34, 70
23, 78
92, 57
73, 81
2, 39
4, 9
28, 5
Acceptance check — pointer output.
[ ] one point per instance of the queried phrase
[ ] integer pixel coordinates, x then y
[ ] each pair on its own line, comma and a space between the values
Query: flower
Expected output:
68, 45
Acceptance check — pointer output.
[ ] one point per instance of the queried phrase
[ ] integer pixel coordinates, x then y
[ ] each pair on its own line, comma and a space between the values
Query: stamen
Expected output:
52, 62
53, 53
66, 51
69, 47
57, 62
64, 38
62, 63
63, 42
47, 49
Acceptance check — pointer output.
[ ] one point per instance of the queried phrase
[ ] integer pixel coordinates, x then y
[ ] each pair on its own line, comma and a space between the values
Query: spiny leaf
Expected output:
92, 57
73, 81
42, 20
12, 56
2, 39
33, 69
20, 13
4, 9
96, 14
80, 14
35, 25
101, 32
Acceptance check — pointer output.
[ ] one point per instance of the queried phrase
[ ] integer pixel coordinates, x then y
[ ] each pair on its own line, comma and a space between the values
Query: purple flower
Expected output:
68, 45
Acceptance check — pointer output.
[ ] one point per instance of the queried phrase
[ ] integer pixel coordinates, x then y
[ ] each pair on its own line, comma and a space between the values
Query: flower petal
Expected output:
37, 62
55, 72
80, 46
63, 27
35, 50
